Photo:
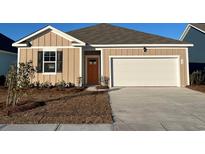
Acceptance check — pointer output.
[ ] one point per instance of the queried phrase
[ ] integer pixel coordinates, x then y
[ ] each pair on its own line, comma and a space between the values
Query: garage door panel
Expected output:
145, 72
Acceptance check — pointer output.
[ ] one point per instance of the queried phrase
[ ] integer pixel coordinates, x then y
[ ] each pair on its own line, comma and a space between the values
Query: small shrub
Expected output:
46, 85
32, 85
60, 85
18, 80
37, 84
2, 80
70, 85
197, 77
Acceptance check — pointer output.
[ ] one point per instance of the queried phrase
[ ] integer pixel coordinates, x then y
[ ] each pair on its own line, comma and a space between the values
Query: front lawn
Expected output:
72, 105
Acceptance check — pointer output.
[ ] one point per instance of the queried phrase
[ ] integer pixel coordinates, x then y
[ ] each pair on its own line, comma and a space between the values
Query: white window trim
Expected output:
50, 73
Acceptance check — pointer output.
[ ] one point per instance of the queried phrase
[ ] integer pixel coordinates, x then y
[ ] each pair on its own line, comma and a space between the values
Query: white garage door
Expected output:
145, 71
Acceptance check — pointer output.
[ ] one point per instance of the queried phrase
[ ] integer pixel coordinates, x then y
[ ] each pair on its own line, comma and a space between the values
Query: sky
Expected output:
17, 31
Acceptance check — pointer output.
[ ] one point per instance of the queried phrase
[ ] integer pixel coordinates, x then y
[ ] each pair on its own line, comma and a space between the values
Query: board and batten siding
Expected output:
150, 52
50, 39
71, 62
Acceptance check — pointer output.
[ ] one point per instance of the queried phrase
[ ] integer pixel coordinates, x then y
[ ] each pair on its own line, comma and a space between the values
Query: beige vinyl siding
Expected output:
139, 52
71, 60
50, 39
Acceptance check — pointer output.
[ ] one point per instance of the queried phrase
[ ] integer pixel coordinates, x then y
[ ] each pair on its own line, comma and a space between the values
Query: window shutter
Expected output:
40, 62
59, 61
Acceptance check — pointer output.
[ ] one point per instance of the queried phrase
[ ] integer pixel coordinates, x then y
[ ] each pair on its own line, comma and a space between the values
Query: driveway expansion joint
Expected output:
163, 126
58, 127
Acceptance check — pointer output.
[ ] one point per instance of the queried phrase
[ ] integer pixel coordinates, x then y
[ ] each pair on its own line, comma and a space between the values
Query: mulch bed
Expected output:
200, 88
72, 105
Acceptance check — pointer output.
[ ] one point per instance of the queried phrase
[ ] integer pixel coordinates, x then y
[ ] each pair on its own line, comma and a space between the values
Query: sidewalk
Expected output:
56, 127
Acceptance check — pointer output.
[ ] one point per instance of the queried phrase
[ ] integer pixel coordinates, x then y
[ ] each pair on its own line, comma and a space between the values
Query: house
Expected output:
8, 54
195, 33
126, 57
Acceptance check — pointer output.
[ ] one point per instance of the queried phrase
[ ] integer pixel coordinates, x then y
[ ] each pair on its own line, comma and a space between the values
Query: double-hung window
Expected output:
49, 61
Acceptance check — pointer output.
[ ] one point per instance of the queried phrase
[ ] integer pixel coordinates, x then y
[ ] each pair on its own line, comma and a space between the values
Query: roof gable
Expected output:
198, 26
26, 40
49, 39
108, 34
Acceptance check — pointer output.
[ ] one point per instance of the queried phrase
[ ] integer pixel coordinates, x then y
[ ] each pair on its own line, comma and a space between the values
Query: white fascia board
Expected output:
56, 31
142, 45
19, 45
76, 44
25, 45
145, 56
185, 32
197, 28
37, 47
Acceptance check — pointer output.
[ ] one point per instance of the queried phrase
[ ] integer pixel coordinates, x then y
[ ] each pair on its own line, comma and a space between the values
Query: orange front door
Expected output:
92, 71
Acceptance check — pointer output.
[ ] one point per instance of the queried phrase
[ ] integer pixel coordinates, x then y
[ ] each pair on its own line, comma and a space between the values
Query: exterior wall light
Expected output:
145, 49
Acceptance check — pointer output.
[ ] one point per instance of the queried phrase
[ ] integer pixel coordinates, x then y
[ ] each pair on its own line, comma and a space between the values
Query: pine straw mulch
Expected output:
43, 106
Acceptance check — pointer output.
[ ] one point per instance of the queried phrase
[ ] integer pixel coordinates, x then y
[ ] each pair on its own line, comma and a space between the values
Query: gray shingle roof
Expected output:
109, 34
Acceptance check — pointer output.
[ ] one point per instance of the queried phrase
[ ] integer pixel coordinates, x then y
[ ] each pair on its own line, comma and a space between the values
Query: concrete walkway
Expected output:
56, 127
158, 109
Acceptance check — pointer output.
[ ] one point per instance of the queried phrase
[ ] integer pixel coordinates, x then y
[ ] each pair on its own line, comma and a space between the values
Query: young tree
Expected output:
18, 80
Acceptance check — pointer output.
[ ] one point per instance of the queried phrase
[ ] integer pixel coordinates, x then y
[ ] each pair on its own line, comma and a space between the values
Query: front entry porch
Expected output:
92, 67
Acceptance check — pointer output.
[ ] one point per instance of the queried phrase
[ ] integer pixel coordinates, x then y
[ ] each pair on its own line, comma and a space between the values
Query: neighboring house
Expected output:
127, 57
8, 54
195, 34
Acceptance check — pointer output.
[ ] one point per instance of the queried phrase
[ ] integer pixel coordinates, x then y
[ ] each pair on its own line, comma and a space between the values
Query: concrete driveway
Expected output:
158, 109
